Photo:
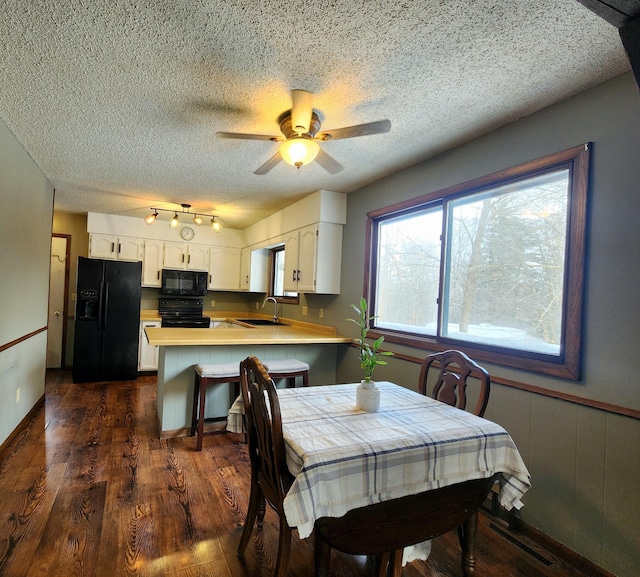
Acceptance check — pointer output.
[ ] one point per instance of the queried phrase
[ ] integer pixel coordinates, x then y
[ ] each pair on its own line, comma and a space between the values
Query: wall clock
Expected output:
187, 233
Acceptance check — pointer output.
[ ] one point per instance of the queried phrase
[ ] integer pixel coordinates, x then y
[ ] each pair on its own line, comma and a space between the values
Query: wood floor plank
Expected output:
24, 513
89, 488
69, 544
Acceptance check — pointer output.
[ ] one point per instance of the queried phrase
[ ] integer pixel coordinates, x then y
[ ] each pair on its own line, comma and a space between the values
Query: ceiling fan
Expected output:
300, 136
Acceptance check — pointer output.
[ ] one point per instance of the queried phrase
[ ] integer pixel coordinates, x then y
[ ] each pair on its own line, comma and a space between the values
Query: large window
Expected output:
494, 266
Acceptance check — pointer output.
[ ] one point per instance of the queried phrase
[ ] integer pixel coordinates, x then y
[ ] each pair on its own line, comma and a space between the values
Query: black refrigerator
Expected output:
107, 320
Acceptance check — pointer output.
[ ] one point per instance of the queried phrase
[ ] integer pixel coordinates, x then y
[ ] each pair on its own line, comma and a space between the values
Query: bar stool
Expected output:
210, 374
288, 369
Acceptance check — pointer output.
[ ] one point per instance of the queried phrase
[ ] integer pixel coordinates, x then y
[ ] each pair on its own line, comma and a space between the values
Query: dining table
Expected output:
343, 458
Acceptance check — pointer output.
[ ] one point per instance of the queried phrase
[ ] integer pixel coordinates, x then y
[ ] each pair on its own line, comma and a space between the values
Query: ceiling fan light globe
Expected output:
299, 151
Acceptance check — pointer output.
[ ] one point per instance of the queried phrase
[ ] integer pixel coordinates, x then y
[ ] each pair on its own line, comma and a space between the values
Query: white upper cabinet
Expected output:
224, 268
313, 259
115, 248
182, 256
253, 270
197, 257
152, 260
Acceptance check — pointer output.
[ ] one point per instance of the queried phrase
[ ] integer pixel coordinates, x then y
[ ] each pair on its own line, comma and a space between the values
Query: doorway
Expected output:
58, 298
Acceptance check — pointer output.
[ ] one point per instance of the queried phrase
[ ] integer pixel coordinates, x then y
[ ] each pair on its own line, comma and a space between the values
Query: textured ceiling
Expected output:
118, 102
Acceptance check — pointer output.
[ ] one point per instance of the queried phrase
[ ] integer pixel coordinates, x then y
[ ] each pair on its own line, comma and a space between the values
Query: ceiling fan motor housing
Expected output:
287, 129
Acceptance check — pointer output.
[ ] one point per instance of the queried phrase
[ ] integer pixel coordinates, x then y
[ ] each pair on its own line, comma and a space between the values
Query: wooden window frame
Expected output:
568, 364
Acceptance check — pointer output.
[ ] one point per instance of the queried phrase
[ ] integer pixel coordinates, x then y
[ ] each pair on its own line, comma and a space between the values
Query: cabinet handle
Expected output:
189, 260
158, 276
209, 279
298, 275
119, 248
182, 258
293, 276
113, 247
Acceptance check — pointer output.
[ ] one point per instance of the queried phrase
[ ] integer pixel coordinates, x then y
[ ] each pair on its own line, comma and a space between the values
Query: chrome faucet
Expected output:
275, 307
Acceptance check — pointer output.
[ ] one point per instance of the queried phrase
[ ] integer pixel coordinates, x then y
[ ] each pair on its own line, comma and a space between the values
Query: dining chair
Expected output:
270, 478
384, 529
450, 386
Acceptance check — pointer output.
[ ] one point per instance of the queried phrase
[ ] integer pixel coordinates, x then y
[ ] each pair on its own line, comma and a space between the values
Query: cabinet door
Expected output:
102, 246
129, 249
197, 257
147, 354
328, 258
224, 268
175, 255
152, 257
307, 251
291, 272
245, 268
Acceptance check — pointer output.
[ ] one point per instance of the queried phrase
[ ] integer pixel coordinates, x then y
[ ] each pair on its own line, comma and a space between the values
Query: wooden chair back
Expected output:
450, 387
270, 478
382, 530
264, 430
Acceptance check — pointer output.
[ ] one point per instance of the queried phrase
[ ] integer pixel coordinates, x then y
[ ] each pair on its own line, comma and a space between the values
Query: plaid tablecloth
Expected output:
343, 458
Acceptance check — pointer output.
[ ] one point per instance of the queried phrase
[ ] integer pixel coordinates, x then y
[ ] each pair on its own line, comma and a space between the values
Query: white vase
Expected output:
368, 396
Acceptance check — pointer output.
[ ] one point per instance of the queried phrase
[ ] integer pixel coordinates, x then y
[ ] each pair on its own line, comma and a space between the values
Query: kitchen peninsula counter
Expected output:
298, 333
181, 348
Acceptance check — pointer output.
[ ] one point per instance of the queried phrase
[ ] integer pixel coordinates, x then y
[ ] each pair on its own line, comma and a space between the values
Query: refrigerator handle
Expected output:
100, 305
106, 305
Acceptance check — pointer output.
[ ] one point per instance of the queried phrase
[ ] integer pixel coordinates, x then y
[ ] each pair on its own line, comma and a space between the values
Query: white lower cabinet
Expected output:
147, 354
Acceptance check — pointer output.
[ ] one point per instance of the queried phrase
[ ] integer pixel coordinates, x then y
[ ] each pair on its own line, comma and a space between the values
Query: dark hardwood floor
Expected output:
88, 489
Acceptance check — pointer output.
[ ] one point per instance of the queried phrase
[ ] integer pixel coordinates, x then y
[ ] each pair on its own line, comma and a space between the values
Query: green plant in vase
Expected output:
370, 355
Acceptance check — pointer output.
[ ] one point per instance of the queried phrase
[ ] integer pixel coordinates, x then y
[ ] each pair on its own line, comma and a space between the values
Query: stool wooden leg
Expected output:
203, 395
305, 379
194, 411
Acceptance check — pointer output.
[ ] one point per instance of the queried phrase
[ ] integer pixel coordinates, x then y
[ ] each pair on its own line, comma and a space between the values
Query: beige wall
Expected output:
25, 239
584, 463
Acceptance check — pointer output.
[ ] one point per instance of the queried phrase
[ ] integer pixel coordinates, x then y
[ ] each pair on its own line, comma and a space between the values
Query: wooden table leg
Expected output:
467, 534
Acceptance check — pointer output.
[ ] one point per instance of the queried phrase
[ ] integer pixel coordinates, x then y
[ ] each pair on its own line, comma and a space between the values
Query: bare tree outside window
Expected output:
495, 265
506, 251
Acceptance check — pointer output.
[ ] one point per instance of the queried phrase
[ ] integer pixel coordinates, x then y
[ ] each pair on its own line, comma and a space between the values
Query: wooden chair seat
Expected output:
206, 375
288, 369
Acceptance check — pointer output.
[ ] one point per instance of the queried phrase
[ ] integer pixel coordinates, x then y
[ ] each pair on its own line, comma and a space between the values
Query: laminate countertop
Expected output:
293, 333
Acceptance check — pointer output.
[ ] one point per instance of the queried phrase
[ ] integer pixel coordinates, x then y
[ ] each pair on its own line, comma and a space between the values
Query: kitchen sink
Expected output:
262, 322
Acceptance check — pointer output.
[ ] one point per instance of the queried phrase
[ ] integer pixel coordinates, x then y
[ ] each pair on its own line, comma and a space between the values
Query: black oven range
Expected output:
182, 313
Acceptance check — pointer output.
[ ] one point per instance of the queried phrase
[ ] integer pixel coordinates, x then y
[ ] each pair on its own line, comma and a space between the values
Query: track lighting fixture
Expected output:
186, 209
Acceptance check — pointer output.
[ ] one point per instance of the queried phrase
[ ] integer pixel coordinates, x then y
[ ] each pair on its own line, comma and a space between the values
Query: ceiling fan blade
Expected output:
267, 166
301, 110
243, 136
357, 130
327, 162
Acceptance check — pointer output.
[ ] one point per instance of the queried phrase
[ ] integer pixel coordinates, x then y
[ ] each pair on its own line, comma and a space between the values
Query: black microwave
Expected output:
185, 283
